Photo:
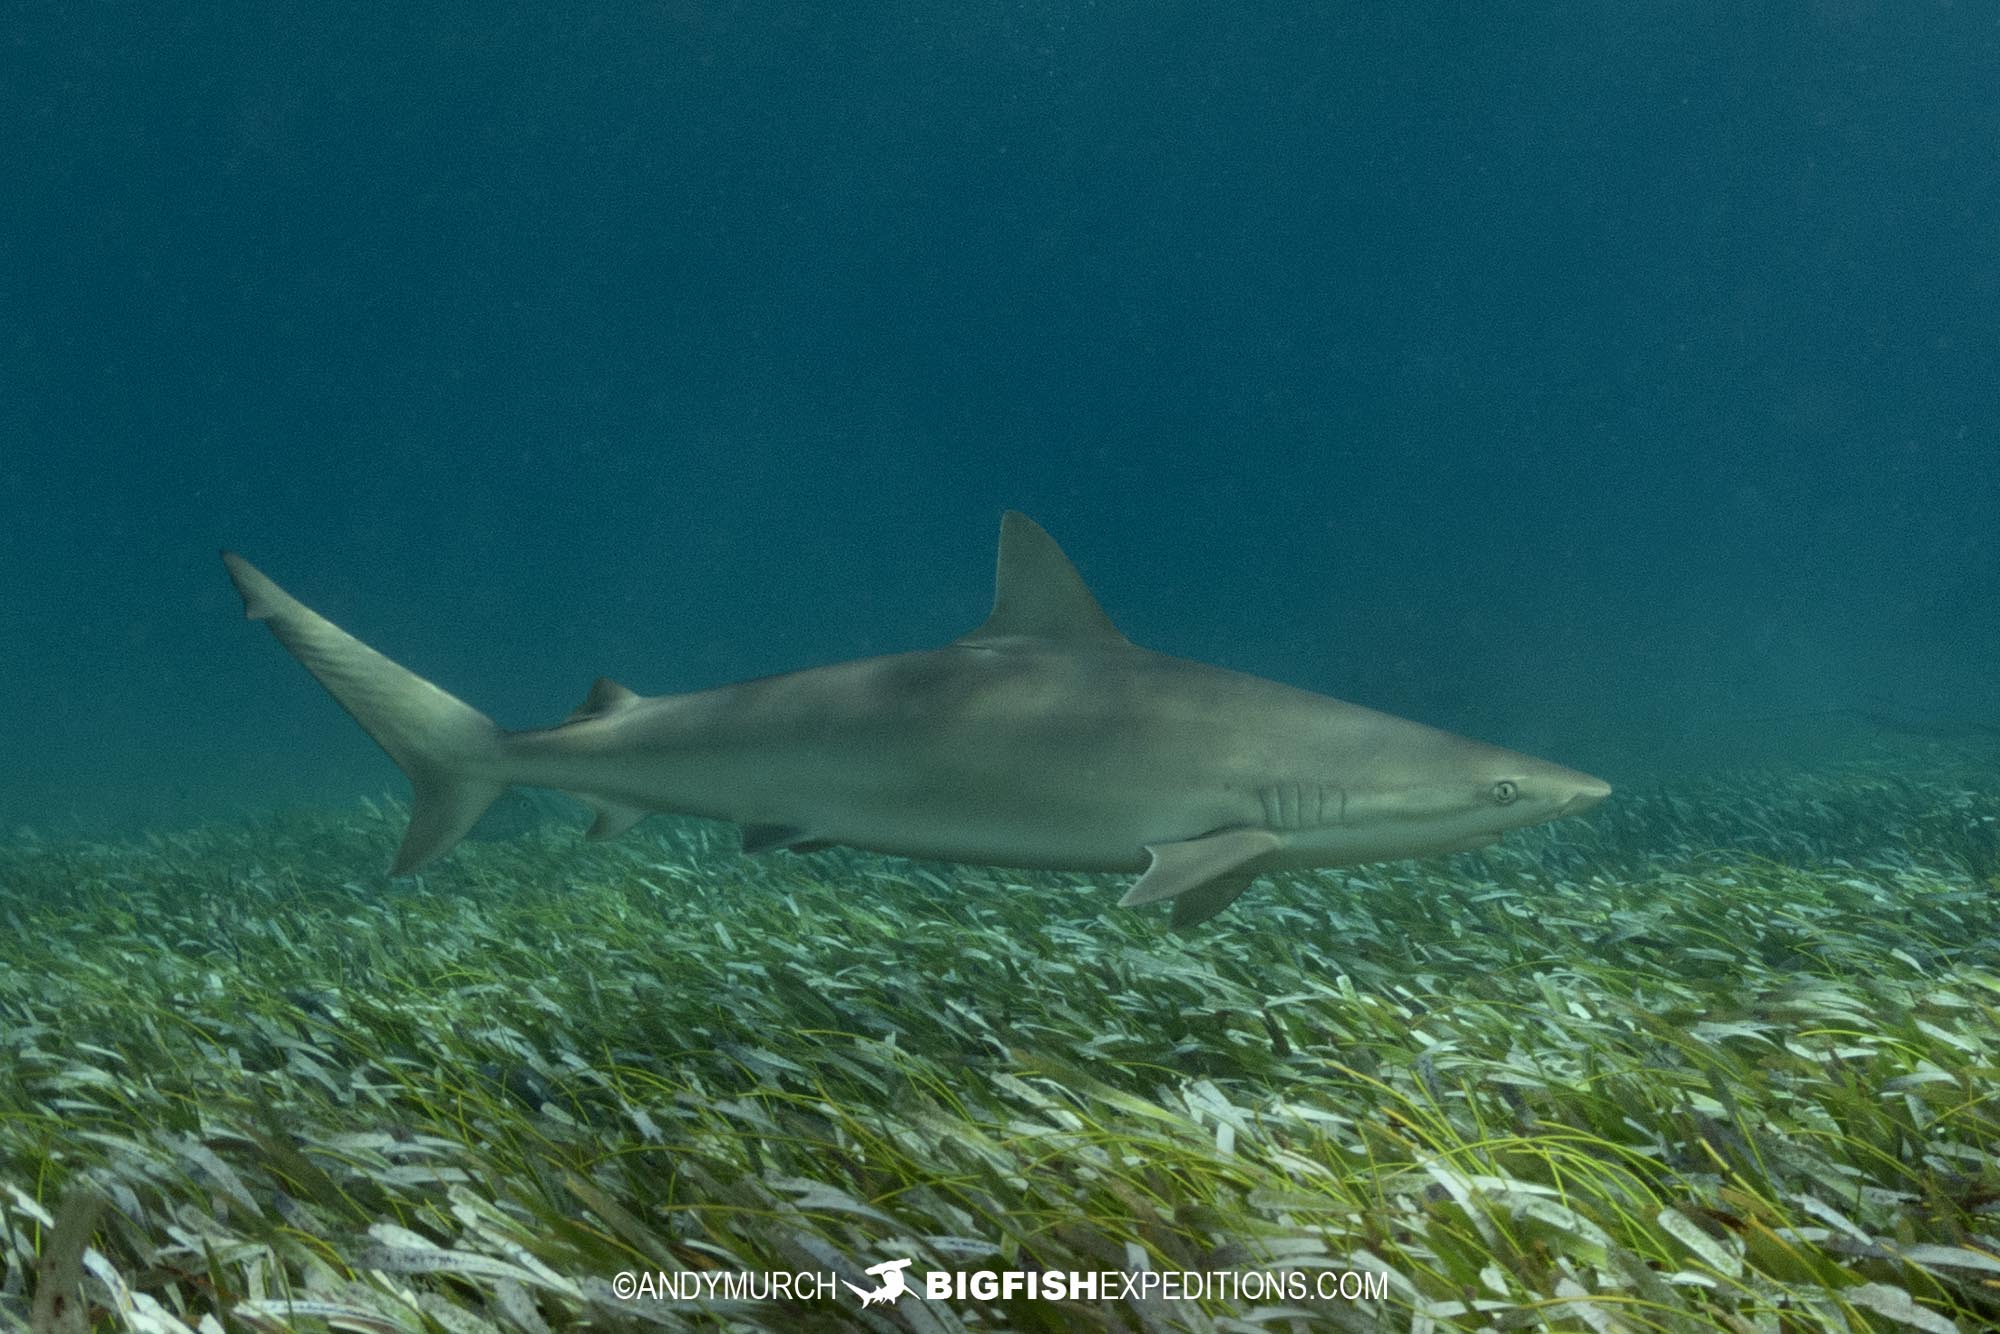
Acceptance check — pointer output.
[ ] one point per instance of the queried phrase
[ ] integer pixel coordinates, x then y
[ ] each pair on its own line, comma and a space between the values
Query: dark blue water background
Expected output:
1583, 377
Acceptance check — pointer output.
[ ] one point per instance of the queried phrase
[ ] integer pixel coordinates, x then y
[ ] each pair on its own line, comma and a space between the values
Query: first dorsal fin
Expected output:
606, 696
1037, 593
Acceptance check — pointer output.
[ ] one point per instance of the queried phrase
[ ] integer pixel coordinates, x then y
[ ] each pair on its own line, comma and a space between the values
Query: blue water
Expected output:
1585, 378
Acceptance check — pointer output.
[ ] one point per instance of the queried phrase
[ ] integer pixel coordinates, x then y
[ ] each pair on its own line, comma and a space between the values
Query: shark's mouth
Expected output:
1580, 803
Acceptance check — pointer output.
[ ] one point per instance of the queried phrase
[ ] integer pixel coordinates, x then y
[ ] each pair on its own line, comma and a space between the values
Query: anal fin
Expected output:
762, 838
612, 819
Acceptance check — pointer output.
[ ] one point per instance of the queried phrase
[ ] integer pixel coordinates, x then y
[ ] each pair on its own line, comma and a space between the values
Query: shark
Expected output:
1042, 739
893, 1284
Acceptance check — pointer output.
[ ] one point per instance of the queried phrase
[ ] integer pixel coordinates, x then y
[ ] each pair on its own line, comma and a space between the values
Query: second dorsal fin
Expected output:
1037, 593
606, 697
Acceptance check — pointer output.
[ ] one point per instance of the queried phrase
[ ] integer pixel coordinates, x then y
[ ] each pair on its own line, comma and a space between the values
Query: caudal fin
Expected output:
450, 750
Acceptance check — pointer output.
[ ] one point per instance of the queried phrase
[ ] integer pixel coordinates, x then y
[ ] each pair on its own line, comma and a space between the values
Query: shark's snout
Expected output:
1589, 791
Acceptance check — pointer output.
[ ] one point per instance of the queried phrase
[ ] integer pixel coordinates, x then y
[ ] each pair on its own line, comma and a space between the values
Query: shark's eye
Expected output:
1505, 791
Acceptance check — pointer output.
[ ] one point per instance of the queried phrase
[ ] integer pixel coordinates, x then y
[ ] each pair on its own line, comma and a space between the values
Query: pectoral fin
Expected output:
1205, 901
1216, 868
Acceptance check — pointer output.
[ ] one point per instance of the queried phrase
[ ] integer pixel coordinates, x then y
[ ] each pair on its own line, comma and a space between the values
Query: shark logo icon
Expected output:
891, 1274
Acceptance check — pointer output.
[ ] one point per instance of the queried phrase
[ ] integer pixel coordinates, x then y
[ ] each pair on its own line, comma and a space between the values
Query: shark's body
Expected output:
1042, 739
